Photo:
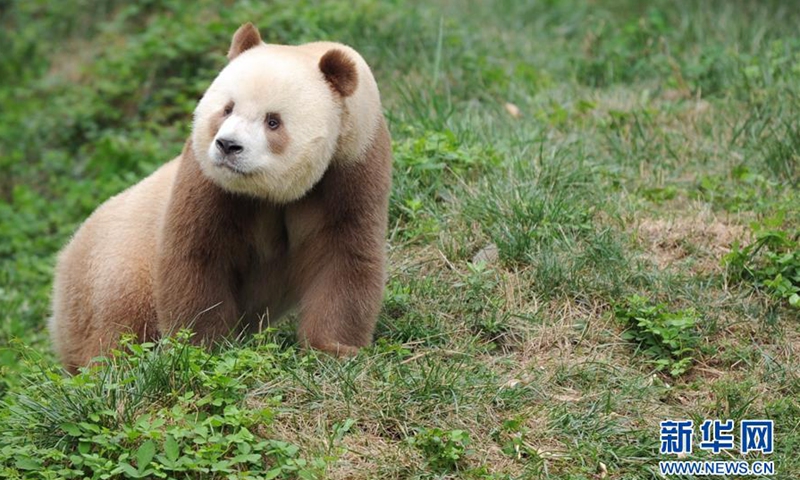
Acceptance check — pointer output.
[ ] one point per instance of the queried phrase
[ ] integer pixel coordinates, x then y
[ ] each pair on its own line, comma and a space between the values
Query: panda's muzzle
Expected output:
229, 156
229, 147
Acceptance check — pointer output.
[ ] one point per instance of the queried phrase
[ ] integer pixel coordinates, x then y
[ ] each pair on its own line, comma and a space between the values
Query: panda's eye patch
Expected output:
273, 121
228, 109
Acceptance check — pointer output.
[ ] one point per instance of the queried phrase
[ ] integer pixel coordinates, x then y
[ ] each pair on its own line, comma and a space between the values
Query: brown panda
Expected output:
277, 202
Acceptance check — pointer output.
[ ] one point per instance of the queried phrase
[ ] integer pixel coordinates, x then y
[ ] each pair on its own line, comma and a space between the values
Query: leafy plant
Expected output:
622, 52
152, 410
443, 449
771, 262
514, 435
668, 338
427, 165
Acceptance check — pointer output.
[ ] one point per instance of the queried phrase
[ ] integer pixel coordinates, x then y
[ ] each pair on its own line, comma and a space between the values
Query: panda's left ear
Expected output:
245, 38
340, 71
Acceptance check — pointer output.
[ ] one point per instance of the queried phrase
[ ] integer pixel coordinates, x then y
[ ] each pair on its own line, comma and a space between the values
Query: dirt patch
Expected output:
699, 240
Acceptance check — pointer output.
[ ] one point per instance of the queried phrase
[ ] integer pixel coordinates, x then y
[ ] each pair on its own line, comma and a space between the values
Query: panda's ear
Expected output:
245, 38
340, 71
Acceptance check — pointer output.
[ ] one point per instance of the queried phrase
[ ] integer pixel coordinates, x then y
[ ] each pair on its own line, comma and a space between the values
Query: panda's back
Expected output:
109, 263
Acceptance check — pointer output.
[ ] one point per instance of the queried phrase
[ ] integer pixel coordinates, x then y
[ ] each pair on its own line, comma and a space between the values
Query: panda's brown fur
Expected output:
178, 250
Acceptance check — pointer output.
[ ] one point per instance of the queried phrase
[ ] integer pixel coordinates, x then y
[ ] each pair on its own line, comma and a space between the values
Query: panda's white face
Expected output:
268, 125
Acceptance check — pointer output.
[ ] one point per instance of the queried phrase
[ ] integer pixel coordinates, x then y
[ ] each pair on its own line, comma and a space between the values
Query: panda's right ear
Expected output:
340, 71
245, 38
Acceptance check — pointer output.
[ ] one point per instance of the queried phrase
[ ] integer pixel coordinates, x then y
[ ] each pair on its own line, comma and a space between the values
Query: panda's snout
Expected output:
229, 147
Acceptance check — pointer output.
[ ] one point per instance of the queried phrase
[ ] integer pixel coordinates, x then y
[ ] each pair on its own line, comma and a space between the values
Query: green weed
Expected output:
161, 410
770, 263
442, 449
668, 338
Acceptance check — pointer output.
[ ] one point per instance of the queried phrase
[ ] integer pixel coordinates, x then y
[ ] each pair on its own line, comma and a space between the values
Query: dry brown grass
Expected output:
695, 239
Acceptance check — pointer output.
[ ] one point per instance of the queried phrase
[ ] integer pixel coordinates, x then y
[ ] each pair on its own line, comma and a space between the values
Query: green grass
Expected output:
622, 252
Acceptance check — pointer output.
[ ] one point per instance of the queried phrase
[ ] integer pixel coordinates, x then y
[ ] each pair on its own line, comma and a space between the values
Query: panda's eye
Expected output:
228, 109
273, 121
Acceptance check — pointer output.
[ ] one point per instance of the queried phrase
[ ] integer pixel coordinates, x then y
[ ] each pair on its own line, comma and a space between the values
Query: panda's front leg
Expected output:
340, 286
195, 294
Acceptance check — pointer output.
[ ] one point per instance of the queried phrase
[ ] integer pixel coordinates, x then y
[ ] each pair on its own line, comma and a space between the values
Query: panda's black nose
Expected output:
229, 146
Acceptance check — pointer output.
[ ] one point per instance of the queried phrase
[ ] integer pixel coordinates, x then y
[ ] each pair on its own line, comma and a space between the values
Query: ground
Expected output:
593, 228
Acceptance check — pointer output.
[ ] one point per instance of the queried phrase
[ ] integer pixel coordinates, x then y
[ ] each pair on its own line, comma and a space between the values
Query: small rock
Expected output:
513, 383
513, 110
487, 255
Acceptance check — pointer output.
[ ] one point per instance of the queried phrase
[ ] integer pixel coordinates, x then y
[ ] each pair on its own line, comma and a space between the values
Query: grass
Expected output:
617, 248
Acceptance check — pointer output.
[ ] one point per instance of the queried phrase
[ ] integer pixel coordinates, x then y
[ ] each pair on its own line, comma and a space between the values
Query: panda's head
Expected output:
277, 116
